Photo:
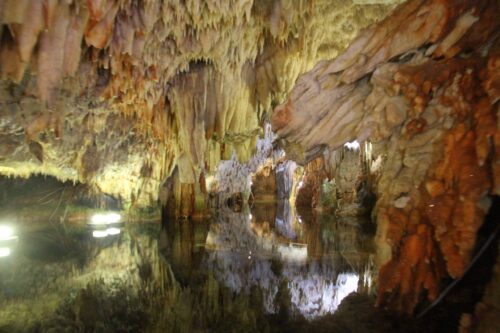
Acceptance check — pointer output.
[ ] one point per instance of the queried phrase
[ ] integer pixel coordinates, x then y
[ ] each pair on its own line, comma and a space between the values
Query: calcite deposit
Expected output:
119, 94
421, 86
170, 102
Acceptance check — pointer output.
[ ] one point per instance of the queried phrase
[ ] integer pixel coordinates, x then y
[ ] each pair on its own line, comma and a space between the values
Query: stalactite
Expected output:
235, 177
423, 96
140, 61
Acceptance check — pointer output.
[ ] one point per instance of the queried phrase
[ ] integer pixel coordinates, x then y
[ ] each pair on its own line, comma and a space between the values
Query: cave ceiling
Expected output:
116, 94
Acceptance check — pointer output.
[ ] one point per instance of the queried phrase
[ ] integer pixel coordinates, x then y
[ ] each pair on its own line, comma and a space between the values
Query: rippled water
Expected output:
252, 270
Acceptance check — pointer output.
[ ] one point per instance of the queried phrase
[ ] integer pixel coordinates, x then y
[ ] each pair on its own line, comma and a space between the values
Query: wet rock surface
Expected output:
419, 87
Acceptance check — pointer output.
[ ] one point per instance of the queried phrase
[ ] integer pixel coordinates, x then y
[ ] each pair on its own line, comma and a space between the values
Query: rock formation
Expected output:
117, 94
167, 101
422, 87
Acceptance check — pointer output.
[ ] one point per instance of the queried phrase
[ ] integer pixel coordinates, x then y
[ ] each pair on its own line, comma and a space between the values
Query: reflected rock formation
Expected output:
242, 260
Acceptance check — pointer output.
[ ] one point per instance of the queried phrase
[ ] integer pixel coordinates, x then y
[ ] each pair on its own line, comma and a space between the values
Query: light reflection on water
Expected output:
5, 251
8, 240
313, 264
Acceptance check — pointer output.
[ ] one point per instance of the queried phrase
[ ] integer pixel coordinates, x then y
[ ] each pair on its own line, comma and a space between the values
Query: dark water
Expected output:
264, 269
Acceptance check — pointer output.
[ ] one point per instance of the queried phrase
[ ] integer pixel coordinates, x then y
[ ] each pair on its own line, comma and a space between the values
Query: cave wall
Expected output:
422, 86
116, 94
310, 183
350, 169
80, 141
338, 181
45, 199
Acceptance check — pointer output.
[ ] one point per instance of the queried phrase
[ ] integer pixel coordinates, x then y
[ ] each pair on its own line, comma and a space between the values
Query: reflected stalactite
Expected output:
188, 275
316, 286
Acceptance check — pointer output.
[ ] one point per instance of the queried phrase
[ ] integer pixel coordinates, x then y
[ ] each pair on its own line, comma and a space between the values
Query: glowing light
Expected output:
105, 233
106, 218
99, 233
352, 145
301, 183
4, 252
113, 231
6, 233
250, 216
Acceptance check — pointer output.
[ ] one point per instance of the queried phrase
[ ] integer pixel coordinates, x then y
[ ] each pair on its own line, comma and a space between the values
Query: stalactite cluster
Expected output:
421, 86
189, 82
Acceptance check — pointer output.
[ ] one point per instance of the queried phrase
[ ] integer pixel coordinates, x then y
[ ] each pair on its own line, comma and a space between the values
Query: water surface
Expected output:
250, 271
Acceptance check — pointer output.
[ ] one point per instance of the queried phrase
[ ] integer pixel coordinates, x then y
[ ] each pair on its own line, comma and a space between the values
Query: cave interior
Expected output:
249, 165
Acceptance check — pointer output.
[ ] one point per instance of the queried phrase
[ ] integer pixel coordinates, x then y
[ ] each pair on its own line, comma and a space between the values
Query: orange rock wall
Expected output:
436, 235
422, 86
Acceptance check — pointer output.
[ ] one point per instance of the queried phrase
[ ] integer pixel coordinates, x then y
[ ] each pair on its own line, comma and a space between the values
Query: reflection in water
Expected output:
105, 224
285, 219
243, 256
106, 232
103, 231
238, 271
8, 240
5, 251
66, 280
